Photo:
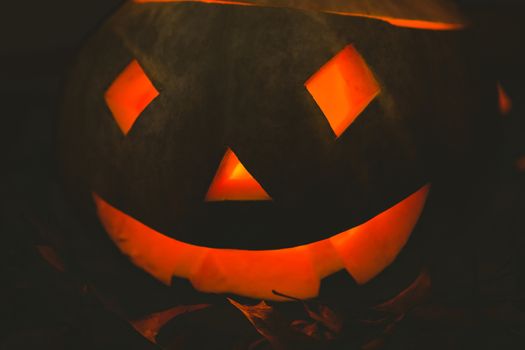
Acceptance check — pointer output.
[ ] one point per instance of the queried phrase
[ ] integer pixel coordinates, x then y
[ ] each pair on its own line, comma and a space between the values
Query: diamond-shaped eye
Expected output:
343, 88
129, 95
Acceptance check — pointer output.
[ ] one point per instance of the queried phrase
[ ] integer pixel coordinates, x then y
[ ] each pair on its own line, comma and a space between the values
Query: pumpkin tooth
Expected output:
368, 248
325, 258
159, 255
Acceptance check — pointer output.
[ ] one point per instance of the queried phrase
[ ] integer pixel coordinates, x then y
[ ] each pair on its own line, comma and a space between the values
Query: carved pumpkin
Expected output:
259, 146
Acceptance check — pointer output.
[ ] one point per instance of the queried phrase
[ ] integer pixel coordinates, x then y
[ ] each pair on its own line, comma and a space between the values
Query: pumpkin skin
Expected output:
233, 77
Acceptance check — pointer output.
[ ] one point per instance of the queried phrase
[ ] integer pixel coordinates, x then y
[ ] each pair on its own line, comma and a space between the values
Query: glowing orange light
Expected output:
129, 95
364, 251
370, 247
234, 183
520, 164
343, 88
408, 23
505, 103
395, 21
420, 24
221, 2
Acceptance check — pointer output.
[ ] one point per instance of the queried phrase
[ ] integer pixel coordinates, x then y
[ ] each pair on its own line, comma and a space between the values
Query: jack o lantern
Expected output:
255, 147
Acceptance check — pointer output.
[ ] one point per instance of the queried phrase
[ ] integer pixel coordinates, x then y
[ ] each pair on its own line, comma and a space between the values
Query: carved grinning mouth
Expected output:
364, 251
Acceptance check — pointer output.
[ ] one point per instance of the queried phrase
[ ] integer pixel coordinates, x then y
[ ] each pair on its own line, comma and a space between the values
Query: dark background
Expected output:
38, 308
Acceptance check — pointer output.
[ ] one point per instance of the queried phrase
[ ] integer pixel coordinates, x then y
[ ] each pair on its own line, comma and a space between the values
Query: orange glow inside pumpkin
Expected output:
505, 103
520, 164
233, 182
343, 88
409, 23
398, 22
129, 95
220, 2
364, 251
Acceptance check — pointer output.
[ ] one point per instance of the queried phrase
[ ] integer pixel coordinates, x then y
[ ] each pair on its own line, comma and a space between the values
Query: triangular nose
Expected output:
233, 182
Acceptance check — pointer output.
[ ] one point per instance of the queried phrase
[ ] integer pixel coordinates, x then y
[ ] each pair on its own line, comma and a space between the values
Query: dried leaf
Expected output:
150, 326
259, 315
310, 329
258, 344
270, 324
377, 322
375, 344
51, 256
412, 296
319, 313
325, 316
